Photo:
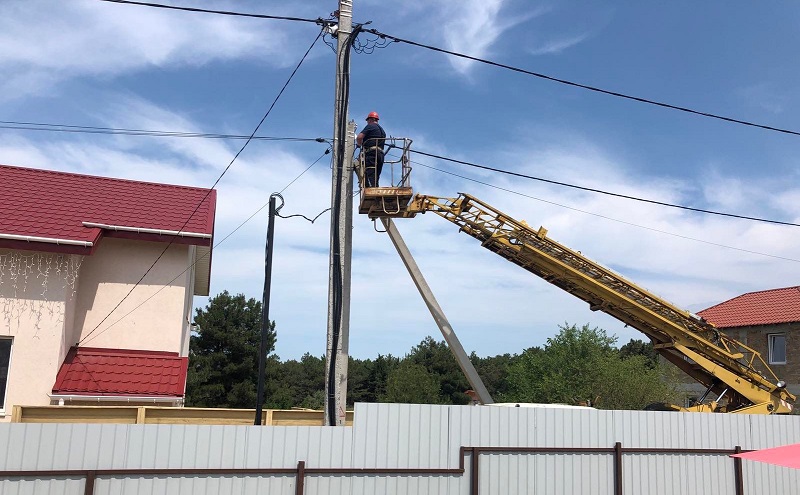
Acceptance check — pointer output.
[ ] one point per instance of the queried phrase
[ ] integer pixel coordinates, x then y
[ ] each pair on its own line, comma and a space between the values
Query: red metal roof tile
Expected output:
50, 204
122, 372
766, 307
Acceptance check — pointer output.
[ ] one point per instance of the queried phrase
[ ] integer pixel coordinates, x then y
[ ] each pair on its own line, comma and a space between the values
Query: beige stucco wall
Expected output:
36, 302
159, 324
47, 308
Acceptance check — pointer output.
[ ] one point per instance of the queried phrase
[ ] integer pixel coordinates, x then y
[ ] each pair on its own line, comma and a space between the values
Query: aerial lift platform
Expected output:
389, 201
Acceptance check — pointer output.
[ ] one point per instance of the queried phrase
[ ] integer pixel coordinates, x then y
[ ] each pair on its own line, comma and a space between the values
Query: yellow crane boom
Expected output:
737, 376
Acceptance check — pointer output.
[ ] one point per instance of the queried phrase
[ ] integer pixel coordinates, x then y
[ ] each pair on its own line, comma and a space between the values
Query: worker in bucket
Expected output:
371, 139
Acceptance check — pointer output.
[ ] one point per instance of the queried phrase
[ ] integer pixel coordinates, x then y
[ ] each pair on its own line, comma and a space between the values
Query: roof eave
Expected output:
116, 398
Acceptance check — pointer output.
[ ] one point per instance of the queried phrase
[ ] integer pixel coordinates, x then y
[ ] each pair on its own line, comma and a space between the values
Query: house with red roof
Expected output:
769, 322
97, 278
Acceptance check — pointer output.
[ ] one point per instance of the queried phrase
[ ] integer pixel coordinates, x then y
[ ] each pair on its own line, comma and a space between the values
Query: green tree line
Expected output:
579, 365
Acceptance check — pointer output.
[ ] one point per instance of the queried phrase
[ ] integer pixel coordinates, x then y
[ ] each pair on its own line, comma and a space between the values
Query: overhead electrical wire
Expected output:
608, 193
585, 86
144, 132
210, 189
327, 151
220, 12
41, 126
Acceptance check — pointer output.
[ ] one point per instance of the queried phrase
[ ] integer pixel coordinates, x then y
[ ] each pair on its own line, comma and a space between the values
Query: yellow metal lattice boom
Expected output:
726, 367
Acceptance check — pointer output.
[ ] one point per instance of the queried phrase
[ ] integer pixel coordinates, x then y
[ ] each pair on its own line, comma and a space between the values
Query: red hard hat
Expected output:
373, 115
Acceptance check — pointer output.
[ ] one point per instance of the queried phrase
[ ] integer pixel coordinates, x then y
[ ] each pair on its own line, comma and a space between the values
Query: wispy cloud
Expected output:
764, 96
555, 46
471, 27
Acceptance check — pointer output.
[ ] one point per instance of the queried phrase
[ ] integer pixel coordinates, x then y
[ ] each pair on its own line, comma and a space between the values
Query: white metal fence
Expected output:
396, 448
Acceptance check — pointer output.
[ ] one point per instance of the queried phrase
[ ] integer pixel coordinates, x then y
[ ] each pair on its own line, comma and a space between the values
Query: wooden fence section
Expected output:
167, 415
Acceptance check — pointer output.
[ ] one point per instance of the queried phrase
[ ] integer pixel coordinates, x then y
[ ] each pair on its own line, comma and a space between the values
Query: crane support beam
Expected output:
438, 314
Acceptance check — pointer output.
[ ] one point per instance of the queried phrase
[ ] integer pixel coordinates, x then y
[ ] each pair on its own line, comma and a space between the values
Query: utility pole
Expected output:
262, 350
337, 354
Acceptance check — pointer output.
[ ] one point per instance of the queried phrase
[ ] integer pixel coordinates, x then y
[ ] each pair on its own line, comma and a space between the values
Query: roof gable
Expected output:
766, 307
61, 212
122, 372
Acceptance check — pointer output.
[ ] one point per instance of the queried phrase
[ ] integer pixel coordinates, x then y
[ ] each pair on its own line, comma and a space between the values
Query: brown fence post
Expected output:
300, 479
618, 468
88, 488
473, 475
737, 471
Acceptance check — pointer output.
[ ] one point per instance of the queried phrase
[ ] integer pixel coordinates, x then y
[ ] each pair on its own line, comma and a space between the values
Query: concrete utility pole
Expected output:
336, 356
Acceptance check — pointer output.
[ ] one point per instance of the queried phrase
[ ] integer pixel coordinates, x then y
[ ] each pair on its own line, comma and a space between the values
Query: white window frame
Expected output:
5, 385
770, 337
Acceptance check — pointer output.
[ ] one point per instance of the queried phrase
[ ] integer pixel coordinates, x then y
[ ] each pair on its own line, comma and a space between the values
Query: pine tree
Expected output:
223, 355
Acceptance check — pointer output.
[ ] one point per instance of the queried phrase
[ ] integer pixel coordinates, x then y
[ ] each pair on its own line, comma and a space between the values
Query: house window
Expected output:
5, 360
777, 348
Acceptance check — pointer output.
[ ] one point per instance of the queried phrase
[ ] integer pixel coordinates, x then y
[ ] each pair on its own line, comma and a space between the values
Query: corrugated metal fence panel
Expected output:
663, 474
404, 436
96, 447
29, 486
709, 473
551, 473
772, 431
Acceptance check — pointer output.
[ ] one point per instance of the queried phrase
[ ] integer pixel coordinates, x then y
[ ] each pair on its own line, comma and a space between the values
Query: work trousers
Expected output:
373, 161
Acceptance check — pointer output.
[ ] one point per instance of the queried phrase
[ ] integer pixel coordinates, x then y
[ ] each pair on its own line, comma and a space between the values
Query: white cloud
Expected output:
43, 43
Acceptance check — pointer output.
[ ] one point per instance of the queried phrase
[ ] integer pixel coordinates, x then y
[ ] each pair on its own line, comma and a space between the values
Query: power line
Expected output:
41, 126
608, 193
212, 187
586, 86
6, 124
327, 151
221, 12
604, 216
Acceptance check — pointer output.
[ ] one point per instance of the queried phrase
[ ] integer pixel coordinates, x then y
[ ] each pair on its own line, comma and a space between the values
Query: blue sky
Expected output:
92, 63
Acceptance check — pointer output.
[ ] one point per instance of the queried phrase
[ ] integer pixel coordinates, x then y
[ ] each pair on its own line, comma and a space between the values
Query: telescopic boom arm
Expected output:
735, 375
